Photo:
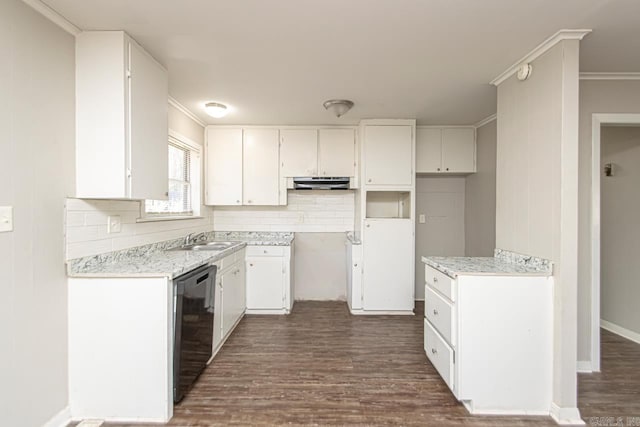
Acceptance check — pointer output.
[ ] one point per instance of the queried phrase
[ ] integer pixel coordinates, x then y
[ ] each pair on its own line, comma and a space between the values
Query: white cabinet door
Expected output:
388, 155
149, 86
299, 152
265, 283
261, 183
428, 150
458, 150
232, 285
217, 315
388, 279
223, 185
336, 152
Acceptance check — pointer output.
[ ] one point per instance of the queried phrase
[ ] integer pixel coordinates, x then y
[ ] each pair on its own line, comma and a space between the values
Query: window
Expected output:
184, 184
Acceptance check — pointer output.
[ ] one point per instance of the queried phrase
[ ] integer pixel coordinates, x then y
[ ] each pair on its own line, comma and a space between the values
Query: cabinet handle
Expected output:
370, 178
438, 169
435, 312
435, 280
238, 201
166, 193
265, 251
250, 265
447, 168
368, 225
248, 201
355, 265
434, 351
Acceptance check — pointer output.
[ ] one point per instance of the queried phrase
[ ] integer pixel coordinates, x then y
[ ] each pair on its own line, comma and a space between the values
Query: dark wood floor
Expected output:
322, 366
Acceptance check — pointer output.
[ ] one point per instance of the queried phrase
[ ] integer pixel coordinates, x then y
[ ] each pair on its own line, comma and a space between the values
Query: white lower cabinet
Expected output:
269, 279
354, 276
230, 303
490, 337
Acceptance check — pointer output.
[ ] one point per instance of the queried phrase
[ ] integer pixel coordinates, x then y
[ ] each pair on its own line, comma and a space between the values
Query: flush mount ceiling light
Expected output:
215, 109
338, 107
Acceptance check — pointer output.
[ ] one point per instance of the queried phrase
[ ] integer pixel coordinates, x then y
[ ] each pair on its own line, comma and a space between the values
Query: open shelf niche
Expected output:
388, 204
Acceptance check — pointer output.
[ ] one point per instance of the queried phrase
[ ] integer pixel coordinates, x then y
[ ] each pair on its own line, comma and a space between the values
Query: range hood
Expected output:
321, 183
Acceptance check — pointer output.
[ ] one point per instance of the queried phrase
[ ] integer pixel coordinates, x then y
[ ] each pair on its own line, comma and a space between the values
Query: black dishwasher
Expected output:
194, 307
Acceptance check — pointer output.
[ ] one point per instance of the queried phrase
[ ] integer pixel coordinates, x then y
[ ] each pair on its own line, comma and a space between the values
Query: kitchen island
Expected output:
488, 330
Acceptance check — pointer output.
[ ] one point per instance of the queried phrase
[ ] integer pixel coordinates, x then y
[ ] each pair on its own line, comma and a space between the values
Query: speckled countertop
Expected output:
155, 261
503, 263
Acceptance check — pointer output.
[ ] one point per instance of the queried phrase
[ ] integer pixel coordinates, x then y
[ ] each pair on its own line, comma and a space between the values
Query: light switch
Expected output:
114, 224
6, 218
422, 218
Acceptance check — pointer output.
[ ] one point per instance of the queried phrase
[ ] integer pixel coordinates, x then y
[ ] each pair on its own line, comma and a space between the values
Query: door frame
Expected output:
597, 121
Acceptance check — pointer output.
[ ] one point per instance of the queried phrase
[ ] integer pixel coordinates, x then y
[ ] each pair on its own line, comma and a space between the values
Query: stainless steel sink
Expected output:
205, 246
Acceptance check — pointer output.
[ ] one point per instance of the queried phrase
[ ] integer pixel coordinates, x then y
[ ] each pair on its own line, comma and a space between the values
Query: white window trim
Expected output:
196, 182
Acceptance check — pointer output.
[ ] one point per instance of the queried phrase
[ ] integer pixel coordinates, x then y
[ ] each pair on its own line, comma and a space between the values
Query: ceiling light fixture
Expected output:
215, 109
338, 107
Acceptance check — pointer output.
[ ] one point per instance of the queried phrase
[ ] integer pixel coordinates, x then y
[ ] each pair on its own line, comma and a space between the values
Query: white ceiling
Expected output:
276, 61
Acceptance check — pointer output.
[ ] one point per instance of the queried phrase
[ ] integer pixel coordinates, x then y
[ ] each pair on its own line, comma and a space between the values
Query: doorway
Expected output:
599, 218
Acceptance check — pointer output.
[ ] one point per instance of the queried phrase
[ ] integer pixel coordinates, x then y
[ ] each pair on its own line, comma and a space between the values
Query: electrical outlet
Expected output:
422, 218
6, 218
114, 224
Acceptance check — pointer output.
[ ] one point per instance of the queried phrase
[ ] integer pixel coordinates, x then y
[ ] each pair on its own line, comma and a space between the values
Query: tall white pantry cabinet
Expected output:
386, 219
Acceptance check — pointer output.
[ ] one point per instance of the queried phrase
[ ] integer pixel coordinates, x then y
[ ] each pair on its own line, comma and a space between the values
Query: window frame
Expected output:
195, 181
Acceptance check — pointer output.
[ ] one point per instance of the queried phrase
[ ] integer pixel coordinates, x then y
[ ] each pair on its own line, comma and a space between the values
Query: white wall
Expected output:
596, 96
480, 196
620, 227
441, 200
306, 211
37, 89
537, 191
86, 220
320, 267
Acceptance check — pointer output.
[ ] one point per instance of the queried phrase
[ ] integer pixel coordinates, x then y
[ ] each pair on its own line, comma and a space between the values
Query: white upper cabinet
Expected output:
299, 152
428, 150
121, 119
388, 155
261, 183
459, 150
336, 152
223, 166
445, 150
317, 152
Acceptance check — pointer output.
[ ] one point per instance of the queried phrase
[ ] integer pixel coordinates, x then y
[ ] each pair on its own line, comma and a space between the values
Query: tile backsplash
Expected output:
86, 227
306, 211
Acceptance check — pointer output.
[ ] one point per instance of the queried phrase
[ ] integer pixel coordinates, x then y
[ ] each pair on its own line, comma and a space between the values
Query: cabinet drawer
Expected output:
440, 313
439, 353
440, 282
226, 262
265, 250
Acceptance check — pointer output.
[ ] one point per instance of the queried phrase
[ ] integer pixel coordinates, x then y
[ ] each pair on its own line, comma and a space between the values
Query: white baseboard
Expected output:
381, 313
566, 416
584, 366
619, 330
61, 419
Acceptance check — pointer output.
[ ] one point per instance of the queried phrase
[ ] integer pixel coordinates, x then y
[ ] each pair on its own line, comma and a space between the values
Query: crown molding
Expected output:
186, 111
53, 16
609, 76
539, 50
485, 121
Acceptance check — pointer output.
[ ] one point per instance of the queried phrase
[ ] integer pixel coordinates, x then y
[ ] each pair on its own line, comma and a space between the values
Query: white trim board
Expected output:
485, 121
53, 16
597, 121
566, 416
619, 330
609, 76
184, 110
61, 419
539, 50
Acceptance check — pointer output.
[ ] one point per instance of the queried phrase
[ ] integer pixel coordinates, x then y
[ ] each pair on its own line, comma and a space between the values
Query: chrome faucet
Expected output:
190, 239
